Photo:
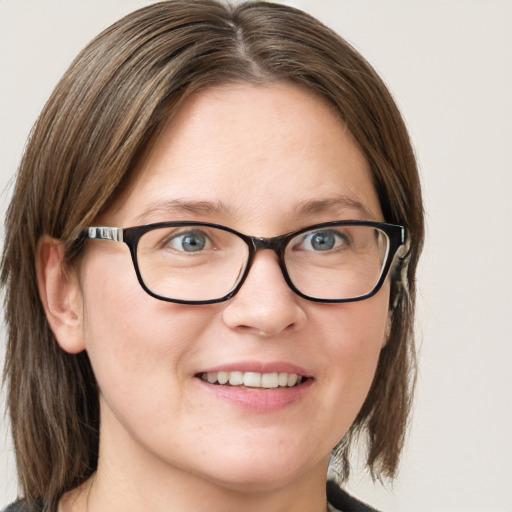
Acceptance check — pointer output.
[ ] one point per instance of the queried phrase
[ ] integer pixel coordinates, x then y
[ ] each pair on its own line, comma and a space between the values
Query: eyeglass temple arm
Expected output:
401, 267
105, 233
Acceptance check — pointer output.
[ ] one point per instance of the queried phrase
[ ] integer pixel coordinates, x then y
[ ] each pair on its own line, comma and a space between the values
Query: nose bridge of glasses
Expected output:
274, 244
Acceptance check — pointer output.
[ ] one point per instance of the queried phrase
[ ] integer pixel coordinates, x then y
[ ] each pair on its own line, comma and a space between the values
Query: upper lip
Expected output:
259, 367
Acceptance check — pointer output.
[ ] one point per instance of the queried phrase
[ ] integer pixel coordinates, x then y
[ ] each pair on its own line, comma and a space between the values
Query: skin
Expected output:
167, 442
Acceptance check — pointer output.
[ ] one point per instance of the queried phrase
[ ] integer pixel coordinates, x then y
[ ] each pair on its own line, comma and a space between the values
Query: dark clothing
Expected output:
21, 506
341, 500
337, 497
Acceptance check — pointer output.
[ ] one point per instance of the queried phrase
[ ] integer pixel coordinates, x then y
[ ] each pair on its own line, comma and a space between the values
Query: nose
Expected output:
265, 305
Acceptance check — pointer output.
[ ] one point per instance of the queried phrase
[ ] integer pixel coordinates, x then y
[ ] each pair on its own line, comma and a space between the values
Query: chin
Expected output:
259, 476
254, 481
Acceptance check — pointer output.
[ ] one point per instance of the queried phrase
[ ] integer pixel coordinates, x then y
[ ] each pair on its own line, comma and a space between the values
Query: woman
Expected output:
209, 269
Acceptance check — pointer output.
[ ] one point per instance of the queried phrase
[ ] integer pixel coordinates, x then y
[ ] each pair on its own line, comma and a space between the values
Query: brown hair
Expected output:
100, 119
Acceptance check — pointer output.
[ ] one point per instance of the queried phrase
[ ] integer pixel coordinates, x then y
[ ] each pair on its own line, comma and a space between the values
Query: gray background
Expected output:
449, 66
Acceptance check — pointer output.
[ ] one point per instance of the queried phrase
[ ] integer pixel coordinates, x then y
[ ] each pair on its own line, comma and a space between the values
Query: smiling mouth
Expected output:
253, 379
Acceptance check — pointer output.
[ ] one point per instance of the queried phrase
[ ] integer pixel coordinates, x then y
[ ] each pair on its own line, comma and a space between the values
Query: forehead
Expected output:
251, 152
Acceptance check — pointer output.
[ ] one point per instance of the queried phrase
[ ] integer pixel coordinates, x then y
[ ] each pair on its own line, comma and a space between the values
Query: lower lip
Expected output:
258, 399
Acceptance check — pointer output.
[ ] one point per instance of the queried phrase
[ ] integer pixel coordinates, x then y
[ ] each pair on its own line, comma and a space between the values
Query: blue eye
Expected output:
191, 241
322, 241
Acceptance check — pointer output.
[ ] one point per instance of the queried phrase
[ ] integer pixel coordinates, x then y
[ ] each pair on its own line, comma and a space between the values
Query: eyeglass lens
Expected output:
200, 263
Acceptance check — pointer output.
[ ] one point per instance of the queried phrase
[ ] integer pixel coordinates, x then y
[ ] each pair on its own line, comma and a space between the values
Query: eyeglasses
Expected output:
203, 263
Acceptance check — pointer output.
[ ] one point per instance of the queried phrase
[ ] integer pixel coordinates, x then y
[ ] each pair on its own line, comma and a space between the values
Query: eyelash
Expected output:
168, 240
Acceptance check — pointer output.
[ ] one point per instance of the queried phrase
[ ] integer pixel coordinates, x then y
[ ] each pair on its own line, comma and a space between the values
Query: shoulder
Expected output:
22, 506
17, 506
14, 507
343, 502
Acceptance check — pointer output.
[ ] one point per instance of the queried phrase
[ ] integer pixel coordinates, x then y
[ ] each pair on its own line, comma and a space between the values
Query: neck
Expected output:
182, 494
133, 482
132, 478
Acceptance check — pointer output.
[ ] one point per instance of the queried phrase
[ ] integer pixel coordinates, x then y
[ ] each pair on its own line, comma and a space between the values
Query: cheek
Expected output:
140, 352
355, 335
132, 339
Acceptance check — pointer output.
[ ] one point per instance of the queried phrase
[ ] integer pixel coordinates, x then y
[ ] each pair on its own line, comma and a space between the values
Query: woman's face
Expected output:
263, 161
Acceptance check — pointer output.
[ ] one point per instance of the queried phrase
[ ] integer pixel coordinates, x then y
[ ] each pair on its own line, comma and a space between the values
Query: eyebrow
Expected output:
218, 208
334, 204
182, 206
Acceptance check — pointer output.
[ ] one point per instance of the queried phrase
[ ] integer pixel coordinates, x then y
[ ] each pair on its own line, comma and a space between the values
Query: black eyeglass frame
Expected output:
130, 236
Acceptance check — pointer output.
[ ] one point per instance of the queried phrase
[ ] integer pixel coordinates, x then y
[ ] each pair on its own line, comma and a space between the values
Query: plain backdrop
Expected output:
449, 66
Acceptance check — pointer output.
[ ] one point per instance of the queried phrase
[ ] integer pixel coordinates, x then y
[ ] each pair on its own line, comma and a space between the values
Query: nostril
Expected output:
264, 319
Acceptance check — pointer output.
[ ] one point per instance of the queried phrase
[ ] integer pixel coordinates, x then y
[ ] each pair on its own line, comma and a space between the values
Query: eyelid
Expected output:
338, 231
184, 231
308, 235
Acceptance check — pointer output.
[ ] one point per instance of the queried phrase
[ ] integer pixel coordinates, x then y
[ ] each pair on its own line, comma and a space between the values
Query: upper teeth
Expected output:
253, 379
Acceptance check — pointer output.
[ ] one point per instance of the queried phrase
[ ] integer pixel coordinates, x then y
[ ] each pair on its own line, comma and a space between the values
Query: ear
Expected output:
60, 294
